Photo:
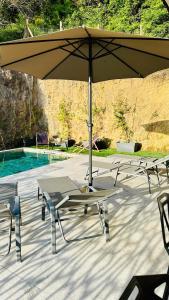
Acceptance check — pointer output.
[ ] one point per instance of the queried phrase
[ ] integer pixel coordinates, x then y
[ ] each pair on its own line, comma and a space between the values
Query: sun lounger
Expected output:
58, 142
104, 165
163, 205
85, 145
42, 139
9, 211
151, 167
61, 194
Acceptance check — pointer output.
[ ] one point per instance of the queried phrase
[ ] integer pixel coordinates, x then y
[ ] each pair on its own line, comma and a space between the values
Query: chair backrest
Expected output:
152, 164
158, 162
163, 204
63, 185
8, 191
42, 138
85, 144
95, 138
145, 287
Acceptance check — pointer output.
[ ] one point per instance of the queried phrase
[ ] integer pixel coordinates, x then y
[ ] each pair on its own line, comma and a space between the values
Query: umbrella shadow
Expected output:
158, 126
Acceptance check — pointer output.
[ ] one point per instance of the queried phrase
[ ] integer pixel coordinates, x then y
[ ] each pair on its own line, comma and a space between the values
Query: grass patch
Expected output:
105, 152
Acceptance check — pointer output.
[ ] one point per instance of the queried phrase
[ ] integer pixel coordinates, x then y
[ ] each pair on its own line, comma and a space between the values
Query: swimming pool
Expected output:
12, 162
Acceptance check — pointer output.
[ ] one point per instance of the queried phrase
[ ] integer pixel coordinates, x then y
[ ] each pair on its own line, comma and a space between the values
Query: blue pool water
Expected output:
19, 161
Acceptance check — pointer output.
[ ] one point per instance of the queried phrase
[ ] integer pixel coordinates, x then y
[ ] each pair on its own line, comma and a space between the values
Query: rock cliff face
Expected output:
21, 114
28, 105
65, 107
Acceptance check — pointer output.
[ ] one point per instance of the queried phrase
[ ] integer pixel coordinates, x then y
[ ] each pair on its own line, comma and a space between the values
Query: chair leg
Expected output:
94, 144
38, 192
157, 172
166, 290
116, 177
9, 239
100, 211
61, 227
53, 230
167, 173
85, 209
43, 210
81, 150
10, 233
149, 182
106, 221
128, 291
87, 174
18, 237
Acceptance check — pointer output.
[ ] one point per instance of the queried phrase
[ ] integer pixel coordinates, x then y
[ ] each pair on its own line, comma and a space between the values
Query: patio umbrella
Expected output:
86, 54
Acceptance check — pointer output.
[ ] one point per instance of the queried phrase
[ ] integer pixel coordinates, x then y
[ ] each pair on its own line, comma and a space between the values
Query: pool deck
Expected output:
87, 269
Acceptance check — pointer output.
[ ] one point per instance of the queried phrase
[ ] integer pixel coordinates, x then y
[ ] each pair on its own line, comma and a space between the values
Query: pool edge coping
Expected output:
40, 151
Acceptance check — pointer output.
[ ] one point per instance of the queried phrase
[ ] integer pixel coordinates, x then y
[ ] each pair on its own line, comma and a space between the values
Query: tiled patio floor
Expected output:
89, 268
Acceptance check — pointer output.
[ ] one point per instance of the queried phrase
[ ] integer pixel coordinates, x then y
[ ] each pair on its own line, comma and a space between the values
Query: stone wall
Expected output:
149, 118
21, 112
28, 105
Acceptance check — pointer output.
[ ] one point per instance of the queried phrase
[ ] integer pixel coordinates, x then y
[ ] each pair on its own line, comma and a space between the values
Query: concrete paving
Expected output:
89, 268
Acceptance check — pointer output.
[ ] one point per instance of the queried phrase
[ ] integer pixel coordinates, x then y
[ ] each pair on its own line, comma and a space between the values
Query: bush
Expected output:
71, 142
28, 141
103, 143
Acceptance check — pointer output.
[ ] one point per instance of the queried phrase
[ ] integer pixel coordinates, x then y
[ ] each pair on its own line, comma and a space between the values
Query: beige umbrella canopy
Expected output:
86, 54
65, 55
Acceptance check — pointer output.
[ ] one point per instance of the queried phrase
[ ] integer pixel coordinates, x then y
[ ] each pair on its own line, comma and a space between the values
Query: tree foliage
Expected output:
148, 17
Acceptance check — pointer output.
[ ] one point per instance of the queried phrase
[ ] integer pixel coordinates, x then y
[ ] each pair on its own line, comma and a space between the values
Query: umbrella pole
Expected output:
90, 124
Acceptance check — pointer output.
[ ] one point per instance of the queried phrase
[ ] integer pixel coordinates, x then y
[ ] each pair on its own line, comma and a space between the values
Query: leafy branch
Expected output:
121, 110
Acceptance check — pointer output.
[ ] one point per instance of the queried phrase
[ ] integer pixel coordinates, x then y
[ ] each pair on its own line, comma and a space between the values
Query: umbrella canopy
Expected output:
65, 55
86, 54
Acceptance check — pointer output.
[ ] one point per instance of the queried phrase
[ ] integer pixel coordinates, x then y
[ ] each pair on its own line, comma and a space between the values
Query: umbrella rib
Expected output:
141, 51
105, 54
40, 41
55, 67
96, 55
74, 54
89, 35
121, 60
37, 54
78, 50
132, 38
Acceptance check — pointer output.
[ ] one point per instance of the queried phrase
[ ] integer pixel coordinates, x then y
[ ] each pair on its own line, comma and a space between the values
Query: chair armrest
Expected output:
131, 165
15, 211
92, 197
80, 199
4, 211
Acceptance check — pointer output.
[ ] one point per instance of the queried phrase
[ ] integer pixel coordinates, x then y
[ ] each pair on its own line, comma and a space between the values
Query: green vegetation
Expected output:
121, 111
148, 17
19, 118
106, 152
65, 116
